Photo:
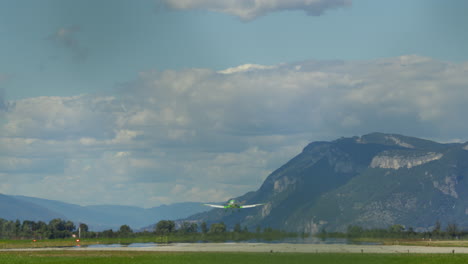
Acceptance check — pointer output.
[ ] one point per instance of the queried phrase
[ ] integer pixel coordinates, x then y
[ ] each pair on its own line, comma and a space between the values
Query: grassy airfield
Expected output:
103, 257
13, 244
24, 255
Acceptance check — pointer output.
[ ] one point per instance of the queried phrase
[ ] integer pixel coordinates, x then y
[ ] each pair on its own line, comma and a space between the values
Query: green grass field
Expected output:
103, 257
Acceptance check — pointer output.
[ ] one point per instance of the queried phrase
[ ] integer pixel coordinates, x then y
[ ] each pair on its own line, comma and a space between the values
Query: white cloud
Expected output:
251, 9
61, 117
246, 68
202, 135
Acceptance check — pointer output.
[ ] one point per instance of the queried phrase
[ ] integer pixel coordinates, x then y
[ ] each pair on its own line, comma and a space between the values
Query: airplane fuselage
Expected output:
232, 204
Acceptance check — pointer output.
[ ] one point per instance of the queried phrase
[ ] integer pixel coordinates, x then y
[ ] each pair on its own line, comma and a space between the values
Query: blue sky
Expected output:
153, 94
117, 39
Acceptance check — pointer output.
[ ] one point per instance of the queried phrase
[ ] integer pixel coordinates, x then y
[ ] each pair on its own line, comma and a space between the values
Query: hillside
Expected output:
12, 209
97, 217
373, 181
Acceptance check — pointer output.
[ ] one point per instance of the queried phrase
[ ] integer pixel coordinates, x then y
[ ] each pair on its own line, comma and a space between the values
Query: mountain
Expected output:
12, 209
373, 181
97, 217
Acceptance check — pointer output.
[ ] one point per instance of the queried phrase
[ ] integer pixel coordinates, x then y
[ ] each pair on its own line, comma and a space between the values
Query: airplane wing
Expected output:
215, 205
250, 205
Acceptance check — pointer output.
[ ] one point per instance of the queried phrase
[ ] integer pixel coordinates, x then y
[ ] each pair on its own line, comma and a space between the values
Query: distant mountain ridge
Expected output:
12, 209
97, 217
375, 180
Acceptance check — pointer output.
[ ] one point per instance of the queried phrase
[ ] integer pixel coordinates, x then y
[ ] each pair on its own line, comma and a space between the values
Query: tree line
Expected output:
56, 228
216, 232
451, 231
59, 228
184, 231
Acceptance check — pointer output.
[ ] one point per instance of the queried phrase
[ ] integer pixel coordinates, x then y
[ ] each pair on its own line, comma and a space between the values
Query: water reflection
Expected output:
135, 245
314, 240
292, 240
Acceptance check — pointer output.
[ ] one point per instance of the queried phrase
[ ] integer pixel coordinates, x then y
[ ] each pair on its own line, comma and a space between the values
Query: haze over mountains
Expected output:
97, 217
374, 180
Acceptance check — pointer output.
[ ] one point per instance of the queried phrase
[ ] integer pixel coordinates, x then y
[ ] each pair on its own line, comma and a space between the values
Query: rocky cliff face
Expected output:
447, 185
374, 180
388, 161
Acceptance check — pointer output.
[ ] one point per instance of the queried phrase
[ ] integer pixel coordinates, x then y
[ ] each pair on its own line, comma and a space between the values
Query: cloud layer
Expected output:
202, 135
249, 10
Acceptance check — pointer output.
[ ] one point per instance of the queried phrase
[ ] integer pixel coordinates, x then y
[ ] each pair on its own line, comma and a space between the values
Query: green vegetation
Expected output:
146, 238
103, 257
56, 228
60, 233
452, 236
401, 232
165, 231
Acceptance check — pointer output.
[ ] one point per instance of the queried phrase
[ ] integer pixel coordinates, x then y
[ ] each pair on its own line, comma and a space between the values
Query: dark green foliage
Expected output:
204, 227
165, 227
437, 228
84, 227
165, 232
187, 228
84, 231
452, 230
60, 228
57, 228
108, 234
396, 229
353, 231
238, 228
399, 231
217, 228
125, 231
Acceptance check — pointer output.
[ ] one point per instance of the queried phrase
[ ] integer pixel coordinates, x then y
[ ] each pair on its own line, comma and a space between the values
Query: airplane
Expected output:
233, 204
